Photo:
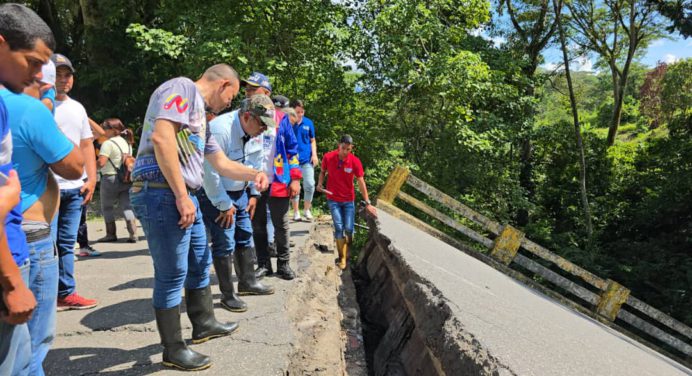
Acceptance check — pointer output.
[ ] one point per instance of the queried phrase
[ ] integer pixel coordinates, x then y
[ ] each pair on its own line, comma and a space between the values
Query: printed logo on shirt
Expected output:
348, 170
305, 127
181, 104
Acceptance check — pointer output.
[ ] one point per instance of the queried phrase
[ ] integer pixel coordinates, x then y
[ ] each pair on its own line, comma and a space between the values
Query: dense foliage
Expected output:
414, 83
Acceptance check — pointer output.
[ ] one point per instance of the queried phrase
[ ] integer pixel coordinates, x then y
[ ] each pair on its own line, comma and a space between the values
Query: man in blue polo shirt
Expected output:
304, 130
26, 43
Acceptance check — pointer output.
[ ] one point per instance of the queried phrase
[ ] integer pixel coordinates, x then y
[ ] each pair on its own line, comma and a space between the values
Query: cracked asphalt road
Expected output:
119, 336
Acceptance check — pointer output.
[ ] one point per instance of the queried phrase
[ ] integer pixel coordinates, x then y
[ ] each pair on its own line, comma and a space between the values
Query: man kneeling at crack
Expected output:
224, 202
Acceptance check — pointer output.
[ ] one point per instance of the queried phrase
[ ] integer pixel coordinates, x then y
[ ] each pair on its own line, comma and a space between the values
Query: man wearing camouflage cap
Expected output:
224, 201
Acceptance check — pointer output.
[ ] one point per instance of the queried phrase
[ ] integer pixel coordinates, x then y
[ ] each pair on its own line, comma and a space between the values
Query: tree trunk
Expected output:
47, 11
526, 149
618, 98
577, 126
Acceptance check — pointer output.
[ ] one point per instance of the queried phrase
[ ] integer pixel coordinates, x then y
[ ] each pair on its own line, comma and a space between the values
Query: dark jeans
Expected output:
82, 235
64, 231
225, 240
278, 208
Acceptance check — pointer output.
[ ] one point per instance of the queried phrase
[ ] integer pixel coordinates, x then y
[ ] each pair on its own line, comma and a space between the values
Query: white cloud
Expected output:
498, 41
549, 66
670, 59
583, 64
658, 43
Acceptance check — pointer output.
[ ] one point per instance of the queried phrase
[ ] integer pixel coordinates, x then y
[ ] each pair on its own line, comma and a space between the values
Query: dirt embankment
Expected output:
324, 311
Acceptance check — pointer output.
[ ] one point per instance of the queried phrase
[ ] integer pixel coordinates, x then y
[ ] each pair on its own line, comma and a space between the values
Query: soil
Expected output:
324, 311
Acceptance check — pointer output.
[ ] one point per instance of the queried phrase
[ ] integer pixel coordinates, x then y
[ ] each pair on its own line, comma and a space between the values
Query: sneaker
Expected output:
296, 216
88, 252
74, 301
308, 215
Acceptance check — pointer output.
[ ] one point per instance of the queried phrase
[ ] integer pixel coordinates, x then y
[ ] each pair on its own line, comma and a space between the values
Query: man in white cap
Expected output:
73, 121
47, 88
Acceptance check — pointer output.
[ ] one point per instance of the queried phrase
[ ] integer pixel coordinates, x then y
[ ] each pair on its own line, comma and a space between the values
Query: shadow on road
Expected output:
131, 312
88, 360
141, 283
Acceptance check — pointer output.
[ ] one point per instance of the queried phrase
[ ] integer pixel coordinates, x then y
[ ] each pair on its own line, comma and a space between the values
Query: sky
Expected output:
668, 50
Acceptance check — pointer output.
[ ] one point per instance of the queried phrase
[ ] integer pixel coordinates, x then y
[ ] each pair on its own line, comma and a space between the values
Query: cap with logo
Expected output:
346, 139
261, 106
257, 79
62, 61
48, 73
280, 101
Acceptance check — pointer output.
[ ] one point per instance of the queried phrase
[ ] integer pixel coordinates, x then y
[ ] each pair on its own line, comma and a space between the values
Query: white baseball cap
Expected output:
48, 72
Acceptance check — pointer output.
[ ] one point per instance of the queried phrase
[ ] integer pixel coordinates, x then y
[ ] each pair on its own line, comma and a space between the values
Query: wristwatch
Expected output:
365, 202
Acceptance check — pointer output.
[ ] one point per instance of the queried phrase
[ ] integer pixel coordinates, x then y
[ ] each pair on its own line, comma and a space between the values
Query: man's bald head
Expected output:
220, 72
219, 84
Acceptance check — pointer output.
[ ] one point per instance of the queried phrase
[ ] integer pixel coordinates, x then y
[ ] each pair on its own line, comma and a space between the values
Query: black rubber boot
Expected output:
200, 310
263, 269
247, 283
224, 272
283, 270
176, 354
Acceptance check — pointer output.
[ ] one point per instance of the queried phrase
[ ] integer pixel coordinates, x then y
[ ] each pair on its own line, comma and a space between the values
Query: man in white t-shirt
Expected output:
73, 121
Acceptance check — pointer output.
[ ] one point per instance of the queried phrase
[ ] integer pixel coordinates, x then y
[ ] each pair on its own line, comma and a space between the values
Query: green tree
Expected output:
616, 30
575, 119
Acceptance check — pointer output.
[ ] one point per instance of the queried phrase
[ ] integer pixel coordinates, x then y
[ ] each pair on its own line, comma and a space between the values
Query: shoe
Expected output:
200, 310
296, 216
87, 251
132, 230
111, 236
342, 249
308, 215
176, 354
283, 270
224, 271
74, 301
247, 282
263, 270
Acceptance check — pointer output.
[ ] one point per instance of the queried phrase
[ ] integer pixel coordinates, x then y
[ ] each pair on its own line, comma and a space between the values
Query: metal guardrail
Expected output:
611, 301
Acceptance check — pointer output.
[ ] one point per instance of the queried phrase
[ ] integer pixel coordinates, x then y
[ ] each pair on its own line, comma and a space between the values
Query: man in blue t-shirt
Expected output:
26, 43
39, 145
304, 130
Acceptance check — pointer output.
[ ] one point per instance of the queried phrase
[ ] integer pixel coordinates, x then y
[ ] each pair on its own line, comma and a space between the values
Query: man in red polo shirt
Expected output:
342, 166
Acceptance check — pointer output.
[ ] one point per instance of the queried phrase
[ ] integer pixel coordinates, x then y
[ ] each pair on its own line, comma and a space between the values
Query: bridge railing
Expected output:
606, 300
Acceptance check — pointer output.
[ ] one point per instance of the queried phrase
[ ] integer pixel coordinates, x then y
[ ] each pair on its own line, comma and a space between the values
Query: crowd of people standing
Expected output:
199, 169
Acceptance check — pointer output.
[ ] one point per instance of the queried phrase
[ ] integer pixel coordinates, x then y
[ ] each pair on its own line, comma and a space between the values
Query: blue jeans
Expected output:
15, 343
225, 240
308, 182
64, 230
43, 281
181, 256
343, 216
